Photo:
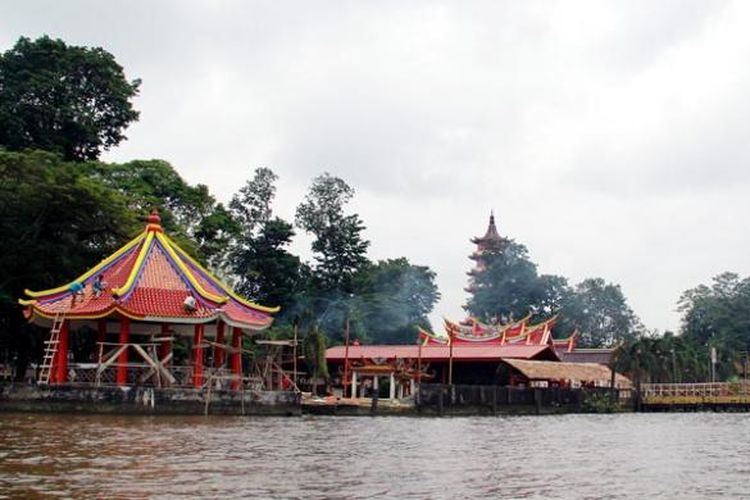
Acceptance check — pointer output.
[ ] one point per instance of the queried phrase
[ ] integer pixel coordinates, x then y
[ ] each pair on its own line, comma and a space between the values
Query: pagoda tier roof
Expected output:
441, 353
491, 234
149, 279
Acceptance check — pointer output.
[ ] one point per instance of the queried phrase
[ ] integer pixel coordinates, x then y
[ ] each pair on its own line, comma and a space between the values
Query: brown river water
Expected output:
698, 455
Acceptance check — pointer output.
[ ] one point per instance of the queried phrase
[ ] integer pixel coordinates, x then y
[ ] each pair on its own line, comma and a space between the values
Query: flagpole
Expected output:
450, 359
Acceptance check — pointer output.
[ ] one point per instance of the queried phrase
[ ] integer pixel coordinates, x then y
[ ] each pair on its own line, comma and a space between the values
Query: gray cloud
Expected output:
608, 136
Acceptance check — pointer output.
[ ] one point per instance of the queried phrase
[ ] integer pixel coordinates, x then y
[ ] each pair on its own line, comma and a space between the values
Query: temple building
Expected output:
515, 352
131, 310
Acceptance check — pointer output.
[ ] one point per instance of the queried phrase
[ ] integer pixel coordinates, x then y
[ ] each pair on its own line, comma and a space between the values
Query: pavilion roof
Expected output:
148, 279
581, 372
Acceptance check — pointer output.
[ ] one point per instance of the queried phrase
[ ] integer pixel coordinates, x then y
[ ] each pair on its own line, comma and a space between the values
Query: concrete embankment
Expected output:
146, 400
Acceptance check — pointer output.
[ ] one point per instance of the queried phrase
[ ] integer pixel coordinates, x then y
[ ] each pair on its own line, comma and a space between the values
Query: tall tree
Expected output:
339, 248
252, 204
54, 223
71, 100
266, 271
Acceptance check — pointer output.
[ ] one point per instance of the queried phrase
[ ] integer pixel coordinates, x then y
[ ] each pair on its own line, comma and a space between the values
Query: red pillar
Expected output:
198, 356
122, 360
61, 358
166, 345
219, 352
235, 360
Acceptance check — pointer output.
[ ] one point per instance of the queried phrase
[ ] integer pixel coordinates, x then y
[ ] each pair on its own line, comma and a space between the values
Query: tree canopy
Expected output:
70, 100
339, 248
506, 286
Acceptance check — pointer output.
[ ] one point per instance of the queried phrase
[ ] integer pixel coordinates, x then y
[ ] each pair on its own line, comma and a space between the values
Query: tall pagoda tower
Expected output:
490, 240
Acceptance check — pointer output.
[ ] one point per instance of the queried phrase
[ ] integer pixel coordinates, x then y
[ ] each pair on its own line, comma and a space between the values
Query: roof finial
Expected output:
154, 221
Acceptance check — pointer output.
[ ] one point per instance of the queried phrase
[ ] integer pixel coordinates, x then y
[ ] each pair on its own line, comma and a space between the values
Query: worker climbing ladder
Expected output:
51, 347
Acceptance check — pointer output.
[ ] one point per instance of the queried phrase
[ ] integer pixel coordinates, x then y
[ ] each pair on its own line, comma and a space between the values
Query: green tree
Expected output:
71, 100
54, 223
718, 316
395, 297
507, 285
266, 271
339, 248
599, 311
190, 214
252, 204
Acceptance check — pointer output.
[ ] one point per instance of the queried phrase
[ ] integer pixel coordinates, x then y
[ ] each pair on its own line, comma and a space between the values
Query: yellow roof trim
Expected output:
225, 288
94, 270
170, 247
108, 312
136, 267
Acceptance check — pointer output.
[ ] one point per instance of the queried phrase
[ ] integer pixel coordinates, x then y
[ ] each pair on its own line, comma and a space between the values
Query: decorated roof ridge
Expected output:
499, 328
101, 266
171, 248
425, 337
542, 323
220, 285
568, 338
195, 277
148, 237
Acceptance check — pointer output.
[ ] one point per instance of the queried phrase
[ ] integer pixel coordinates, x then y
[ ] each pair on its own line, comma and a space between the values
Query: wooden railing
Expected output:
701, 393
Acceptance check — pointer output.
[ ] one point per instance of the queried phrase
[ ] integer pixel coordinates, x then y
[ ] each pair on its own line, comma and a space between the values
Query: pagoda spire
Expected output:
490, 239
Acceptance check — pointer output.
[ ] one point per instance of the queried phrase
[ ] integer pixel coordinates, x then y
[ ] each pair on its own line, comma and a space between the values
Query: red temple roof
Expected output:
149, 279
440, 353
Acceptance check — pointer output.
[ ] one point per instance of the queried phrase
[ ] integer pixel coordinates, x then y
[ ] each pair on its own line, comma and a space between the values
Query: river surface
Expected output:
698, 455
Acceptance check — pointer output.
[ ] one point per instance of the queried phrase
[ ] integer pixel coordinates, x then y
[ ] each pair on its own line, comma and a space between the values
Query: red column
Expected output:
61, 358
219, 352
235, 360
166, 345
122, 360
198, 356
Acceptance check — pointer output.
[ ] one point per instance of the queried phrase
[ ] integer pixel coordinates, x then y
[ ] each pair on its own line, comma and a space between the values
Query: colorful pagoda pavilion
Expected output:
138, 301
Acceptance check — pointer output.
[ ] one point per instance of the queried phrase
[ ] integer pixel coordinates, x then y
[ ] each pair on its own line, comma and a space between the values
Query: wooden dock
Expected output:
730, 396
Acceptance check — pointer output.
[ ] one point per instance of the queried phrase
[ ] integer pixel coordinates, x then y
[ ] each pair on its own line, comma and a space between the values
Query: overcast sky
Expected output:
610, 138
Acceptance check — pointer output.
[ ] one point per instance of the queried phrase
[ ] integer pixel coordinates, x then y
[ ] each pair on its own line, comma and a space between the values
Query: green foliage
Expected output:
395, 297
508, 286
718, 316
599, 311
265, 270
252, 204
662, 359
315, 352
71, 100
339, 249
189, 213
54, 221
599, 402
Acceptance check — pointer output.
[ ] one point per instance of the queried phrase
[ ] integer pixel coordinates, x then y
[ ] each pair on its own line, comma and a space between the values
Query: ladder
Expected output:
50, 350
